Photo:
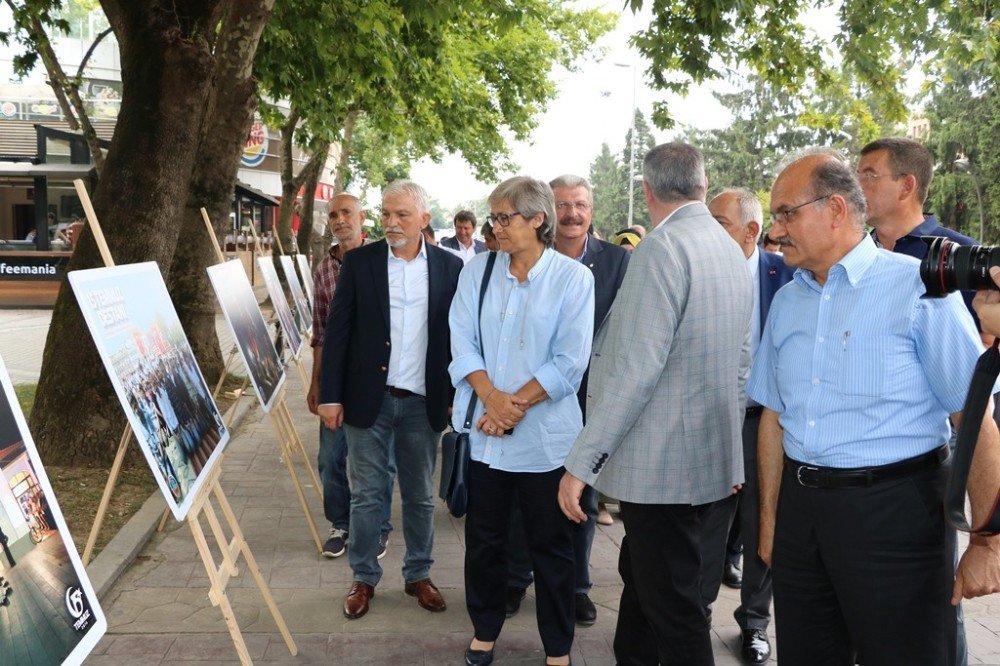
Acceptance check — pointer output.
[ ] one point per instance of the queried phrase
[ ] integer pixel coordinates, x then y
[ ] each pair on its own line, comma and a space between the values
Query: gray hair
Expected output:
357, 201
675, 172
410, 189
569, 181
529, 197
750, 208
834, 175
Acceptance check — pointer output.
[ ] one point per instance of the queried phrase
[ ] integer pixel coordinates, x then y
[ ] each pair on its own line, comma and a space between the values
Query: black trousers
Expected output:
867, 569
550, 546
661, 619
519, 564
715, 526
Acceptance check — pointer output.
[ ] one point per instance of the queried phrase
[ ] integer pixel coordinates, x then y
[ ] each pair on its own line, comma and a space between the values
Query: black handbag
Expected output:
456, 451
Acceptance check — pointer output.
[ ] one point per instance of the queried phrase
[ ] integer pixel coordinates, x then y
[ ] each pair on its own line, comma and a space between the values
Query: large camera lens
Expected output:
950, 267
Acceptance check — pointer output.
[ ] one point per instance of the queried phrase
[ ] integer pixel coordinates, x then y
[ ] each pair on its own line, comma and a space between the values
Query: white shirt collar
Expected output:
421, 253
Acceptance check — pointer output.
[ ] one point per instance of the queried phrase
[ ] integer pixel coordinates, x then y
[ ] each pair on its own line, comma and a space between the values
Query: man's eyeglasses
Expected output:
870, 176
580, 206
785, 216
503, 219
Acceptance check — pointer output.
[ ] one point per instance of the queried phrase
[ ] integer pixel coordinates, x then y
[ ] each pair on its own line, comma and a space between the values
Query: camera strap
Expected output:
976, 402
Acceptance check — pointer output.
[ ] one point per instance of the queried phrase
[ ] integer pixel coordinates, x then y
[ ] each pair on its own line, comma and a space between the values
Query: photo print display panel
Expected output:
292, 335
49, 613
247, 323
303, 315
306, 275
154, 372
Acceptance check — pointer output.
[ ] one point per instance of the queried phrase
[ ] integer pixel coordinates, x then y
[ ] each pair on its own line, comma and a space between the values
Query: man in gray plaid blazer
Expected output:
665, 409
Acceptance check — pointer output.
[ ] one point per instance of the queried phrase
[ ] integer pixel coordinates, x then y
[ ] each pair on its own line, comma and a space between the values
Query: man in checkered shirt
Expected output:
345, 216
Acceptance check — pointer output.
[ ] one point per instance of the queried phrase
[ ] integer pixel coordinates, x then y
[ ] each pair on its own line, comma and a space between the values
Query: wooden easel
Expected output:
116, 466
218, 575
282, 423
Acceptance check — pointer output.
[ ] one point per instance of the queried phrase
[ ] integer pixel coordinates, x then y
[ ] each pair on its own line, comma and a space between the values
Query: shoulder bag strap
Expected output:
467, 425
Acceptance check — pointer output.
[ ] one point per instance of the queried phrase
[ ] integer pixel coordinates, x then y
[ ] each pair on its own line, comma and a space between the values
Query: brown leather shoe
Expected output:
356, 601
427, 595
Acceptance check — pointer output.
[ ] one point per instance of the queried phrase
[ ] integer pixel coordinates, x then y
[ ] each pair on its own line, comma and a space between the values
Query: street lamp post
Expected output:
964, 165
630, 184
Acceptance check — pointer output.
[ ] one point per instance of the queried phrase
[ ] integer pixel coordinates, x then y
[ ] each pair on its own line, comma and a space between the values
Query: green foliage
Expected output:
872, 47
24, 34
609, 176
434, 76
964, 116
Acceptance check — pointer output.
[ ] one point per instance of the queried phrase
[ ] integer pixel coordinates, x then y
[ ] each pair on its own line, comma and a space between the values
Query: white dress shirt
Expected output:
408, 303
466, 253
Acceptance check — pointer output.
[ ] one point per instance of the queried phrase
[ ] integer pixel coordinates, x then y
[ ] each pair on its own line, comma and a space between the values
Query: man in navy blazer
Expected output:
385, 381
608, 262
464, 245
740, 214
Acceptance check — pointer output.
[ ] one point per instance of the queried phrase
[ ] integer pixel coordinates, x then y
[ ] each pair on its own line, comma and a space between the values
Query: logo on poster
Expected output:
255, 149
77, 607
8, 109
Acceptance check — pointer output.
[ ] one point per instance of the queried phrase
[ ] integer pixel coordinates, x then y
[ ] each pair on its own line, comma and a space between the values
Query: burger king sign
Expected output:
255, 149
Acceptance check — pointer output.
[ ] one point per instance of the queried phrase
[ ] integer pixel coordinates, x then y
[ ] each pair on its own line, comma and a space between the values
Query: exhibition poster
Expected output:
306, 275
293, 335
303, 315
156, 377
49, 613
240, 307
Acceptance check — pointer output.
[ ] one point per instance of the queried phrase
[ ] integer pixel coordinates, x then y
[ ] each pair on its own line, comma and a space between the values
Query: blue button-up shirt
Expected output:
541, 328
861, 369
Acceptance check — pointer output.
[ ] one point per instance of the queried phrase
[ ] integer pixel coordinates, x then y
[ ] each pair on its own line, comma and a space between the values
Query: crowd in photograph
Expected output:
169, 397
791, 396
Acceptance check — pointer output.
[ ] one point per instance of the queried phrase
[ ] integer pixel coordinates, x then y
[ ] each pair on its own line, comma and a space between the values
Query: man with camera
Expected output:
858, 382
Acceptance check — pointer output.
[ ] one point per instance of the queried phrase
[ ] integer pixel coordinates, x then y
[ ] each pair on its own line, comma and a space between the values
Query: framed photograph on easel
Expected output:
49, 613
154, 372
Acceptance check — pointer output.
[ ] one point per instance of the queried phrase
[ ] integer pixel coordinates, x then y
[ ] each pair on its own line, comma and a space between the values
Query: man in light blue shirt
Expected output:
858, 382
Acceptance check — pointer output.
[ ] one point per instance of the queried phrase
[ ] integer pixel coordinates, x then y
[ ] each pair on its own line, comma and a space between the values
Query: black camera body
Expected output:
950, 267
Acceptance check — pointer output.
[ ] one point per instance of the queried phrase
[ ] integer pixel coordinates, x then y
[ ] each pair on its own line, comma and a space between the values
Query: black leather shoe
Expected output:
732, 576
586, 611
514, 597
478, 657
756, 647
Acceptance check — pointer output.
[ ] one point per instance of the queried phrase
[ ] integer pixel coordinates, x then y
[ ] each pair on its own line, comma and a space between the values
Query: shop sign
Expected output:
32, 266
255, 148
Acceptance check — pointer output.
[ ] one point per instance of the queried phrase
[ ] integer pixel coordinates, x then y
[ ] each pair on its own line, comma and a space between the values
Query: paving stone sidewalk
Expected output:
159, 611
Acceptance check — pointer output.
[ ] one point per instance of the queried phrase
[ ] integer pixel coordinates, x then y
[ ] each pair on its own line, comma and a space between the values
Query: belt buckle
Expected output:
798, 475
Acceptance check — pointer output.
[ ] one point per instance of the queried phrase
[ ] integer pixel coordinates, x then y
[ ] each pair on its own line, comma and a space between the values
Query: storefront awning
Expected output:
255, 195
54, 171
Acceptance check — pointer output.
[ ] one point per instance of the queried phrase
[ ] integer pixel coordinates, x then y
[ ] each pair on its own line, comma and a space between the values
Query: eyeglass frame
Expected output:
503, 219
576, 205
782, 216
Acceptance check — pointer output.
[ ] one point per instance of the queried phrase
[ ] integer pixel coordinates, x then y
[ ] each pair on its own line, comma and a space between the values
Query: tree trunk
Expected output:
305, 232
319, 243
166, 74
228, 116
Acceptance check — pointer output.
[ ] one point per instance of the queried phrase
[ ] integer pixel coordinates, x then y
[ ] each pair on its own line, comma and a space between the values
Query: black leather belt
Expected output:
812, 476
754, 412
399, 392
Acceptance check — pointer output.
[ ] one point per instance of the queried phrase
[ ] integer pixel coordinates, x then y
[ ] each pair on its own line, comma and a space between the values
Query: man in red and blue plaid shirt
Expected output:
345, 217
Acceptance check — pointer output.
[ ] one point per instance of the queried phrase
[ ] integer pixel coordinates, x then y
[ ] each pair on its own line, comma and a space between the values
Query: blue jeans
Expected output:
332, 463
401, 427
